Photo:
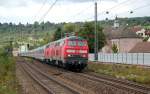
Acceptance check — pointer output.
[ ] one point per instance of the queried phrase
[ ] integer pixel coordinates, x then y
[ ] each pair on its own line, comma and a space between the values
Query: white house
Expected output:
143, 33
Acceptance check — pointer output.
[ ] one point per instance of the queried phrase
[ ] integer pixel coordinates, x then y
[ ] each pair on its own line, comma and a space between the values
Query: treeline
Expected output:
48, 26
142, 21
11, 27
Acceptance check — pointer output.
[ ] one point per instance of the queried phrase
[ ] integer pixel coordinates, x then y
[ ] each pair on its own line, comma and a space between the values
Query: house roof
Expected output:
136, 28
142, 47
121, 32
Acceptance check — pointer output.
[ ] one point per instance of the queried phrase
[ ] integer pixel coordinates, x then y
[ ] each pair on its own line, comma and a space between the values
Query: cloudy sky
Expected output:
69, 10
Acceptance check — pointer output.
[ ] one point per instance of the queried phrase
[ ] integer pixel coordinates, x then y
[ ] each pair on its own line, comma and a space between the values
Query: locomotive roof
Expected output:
73, 38
70, 38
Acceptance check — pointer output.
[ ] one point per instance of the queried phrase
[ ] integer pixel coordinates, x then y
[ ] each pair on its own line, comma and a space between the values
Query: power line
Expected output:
138, 8
116, 6
45, 1
121, 3
82, 11
50, 8
109, 9
142, 6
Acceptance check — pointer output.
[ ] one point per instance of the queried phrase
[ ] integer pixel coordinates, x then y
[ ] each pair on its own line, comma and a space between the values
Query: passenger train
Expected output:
69, 52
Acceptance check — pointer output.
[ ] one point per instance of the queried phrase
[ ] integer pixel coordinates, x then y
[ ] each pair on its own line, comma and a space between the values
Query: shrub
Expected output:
8, 83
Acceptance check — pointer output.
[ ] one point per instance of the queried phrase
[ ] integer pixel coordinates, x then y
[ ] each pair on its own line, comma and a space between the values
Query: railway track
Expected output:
118, 83
51, 85
136, 86
28, 85
91, 79
97, 84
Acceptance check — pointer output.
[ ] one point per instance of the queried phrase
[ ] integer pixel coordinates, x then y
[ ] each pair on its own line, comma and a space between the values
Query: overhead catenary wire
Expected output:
49, 9
38, 12
118, 5
142, 6
135, 9
121, 3
82, 11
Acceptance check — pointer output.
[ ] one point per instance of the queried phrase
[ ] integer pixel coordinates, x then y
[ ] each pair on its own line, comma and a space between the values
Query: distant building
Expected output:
122, 37
143, 33
142, 47
23, 48
116, 23
136, 28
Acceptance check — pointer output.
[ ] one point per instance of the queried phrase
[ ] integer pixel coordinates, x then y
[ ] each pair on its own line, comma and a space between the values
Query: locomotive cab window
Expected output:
81, 43
72, 43
62, 43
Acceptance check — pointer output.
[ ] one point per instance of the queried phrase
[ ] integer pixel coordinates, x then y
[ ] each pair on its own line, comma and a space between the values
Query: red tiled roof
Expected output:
136, 28
143, 47
121, 32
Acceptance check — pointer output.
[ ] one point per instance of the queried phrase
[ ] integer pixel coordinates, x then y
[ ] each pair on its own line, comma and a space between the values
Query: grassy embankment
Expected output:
130, 72
8, 82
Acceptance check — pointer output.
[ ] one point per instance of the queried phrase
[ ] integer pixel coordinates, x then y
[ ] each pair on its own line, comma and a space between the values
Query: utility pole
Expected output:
96, 41
11, 47
61, 34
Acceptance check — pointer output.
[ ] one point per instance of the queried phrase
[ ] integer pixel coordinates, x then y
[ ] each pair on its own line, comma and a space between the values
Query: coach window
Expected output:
58, 44
41, 50
62, 43
55, 44
47, 46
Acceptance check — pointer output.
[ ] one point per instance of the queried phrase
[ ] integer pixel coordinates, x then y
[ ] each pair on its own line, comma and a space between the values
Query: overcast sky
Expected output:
69, 10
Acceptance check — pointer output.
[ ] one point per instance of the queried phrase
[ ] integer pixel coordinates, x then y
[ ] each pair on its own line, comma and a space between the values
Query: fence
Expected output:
126, 58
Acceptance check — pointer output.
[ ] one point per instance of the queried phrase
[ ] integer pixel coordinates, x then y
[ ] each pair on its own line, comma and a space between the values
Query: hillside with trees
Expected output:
38, 34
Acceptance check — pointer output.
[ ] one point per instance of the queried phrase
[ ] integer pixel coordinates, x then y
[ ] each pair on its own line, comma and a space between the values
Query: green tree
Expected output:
114, 48
57, 34
36, 26
146, 39
42, 25
69, 27
87, 32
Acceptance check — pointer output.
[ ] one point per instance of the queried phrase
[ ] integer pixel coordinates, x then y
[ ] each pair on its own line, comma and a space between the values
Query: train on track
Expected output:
69, 52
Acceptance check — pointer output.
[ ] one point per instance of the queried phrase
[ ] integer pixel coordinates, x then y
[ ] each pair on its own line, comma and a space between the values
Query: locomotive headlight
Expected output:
83, 55
82, 51
69, 55
70, 51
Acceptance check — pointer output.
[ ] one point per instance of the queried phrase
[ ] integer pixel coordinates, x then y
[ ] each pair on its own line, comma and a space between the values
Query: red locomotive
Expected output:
70, 52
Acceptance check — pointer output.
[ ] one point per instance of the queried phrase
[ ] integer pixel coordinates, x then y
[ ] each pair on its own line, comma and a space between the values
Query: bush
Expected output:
8, 84
130, 72
115, 48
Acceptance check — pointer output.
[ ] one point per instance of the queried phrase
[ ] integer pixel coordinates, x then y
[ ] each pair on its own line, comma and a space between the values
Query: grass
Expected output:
8, 82
134, 73
30, 60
